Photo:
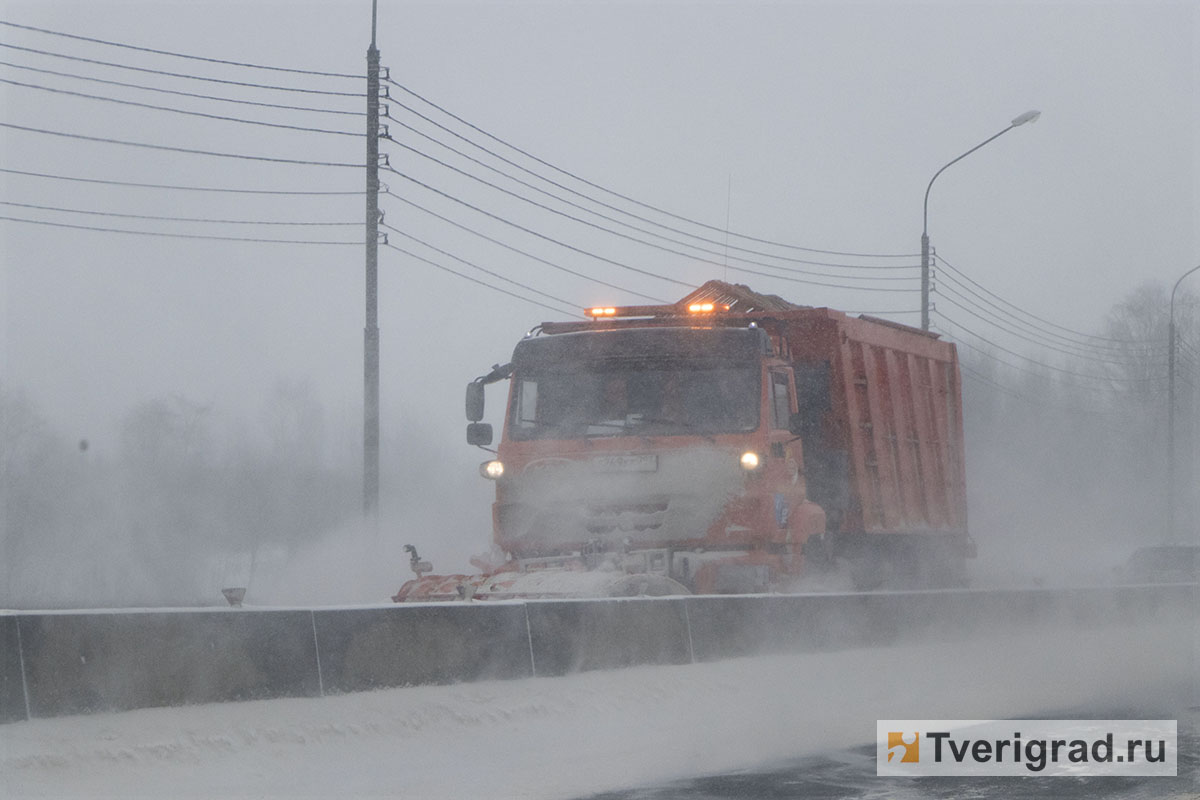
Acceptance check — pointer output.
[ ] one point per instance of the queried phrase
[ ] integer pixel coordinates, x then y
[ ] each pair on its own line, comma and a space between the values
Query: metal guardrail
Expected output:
60, 663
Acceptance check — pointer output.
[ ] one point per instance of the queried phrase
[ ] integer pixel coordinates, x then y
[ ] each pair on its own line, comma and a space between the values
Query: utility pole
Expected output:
1171, 409
925, 267
371, 331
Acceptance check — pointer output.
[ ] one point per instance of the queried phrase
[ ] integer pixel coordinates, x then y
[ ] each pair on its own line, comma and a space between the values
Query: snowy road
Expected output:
590, 732
850, 775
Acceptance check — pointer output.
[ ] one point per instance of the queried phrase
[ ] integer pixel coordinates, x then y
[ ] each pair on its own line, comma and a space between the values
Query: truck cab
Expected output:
668, 446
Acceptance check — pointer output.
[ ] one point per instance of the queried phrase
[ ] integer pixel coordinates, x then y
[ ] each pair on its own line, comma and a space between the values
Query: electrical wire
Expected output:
184, 75
1088, 376
173, 235
960, 342
639, 229
532, 232
1187, 359
180, 110
546, 262
1017, 308
179, 93
179, 55
626, 236
174, 187
484, 270
632, 238
464, 276
947, 279
881, 313
626, 198
979, 377
949, 298
609, 206
519, 251
181, 149
174, 219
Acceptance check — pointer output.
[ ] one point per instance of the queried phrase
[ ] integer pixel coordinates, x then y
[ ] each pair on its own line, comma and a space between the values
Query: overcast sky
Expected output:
806, 124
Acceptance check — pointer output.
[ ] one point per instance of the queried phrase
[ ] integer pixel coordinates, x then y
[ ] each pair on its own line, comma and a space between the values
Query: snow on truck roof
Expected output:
716, 302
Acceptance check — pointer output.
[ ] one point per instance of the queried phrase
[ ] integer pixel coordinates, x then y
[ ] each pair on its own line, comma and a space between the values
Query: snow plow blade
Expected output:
537, 585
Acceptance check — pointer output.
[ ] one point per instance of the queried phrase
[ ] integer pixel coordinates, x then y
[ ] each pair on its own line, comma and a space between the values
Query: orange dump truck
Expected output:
729, 443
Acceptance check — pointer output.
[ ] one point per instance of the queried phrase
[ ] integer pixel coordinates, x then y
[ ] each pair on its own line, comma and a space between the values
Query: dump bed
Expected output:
884, 445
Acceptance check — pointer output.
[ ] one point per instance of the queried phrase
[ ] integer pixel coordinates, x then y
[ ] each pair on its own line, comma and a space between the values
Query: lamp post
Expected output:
1028, 116
1171, 409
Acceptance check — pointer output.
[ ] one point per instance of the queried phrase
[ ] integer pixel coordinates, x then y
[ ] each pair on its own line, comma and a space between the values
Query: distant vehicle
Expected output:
1170, 563
720, 444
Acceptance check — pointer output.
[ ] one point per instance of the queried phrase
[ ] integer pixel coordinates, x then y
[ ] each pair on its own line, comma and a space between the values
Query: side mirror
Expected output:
479, 433
796, 424
475, 402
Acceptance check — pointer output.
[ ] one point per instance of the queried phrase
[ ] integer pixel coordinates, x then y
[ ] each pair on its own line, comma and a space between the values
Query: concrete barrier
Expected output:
54, 664
573, 635
12, 692
731, 627
373, 648
89, 662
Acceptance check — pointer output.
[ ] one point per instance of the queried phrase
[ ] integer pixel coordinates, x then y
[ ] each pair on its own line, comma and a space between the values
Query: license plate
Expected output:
626, 463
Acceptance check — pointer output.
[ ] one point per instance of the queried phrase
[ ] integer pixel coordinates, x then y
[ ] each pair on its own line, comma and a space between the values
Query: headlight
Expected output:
750, 460
492, 470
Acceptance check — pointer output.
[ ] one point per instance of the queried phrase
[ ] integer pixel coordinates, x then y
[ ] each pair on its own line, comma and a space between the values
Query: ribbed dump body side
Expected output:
886, 407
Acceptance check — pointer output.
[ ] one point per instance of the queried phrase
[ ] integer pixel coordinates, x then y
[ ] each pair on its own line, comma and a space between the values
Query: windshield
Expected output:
636, 399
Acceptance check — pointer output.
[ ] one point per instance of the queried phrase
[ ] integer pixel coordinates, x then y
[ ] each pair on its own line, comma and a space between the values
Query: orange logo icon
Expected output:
905, 745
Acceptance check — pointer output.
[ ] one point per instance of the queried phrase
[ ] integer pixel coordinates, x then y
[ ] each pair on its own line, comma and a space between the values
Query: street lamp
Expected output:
1028, 116
1171, 409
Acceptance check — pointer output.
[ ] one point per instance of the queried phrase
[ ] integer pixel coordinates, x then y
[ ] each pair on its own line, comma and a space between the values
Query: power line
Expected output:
639, 203
1107, 349
180, 55
689, 256
174, 187
983, 379
173, 235
551, 264
517, 250
1021, 335
184, 75
484, 270
180, 110
175, 219
1040, 363
532, 232
179, 93
628, 225
623, 235
609, 206
986, 354
881, 313
1034, 316
180, 149
464, 276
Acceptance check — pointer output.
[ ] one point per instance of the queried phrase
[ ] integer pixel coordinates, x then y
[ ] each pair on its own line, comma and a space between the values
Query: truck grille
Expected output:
612, 517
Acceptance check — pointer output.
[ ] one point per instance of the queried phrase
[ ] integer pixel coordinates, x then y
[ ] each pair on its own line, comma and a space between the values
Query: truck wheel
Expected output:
818, 554
951, 573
